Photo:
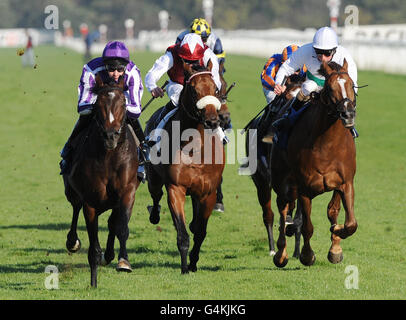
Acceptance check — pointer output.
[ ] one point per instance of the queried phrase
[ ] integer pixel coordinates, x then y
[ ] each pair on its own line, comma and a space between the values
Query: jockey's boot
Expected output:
66, 152
143, 147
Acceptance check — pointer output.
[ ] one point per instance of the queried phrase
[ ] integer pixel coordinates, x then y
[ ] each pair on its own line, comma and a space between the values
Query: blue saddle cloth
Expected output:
281, 137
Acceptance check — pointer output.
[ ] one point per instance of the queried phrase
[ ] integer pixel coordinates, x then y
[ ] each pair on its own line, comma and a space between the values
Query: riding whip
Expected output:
150, 100
276, 100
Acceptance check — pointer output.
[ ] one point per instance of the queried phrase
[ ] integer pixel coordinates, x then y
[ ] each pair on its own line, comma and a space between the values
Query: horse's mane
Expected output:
333, 65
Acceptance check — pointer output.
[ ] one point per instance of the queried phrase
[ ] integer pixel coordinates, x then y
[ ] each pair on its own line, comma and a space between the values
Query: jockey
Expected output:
190, 51
201, 27
115, 62
268, 76
325, 48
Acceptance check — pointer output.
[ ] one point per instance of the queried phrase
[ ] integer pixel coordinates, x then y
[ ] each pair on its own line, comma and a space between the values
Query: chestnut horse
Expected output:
320, 157
103, 177
197, 111
262, 176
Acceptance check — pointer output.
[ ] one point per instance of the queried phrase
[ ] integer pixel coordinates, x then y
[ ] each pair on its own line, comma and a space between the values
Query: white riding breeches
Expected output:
173, 90
309, 86
269, 95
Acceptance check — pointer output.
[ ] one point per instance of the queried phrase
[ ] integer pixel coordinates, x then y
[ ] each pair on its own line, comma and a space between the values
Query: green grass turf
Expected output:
38, 112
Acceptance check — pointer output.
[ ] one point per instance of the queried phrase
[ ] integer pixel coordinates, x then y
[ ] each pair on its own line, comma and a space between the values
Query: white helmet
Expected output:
325, 39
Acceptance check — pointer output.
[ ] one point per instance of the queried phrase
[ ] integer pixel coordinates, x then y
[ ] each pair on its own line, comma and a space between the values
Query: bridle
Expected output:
102, 130
198, 113
339, 108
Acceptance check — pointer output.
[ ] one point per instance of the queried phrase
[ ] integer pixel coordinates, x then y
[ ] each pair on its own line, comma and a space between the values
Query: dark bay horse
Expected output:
320, 157
197, 111
103, 177
262, 176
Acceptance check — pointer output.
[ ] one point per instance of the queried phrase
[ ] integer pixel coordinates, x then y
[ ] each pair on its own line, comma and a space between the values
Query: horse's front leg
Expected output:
200, 219
122, 231
264, 198
350, 224
307, 256
176, 204
281, 257
335, 254
72, 241
95, 253
155, 185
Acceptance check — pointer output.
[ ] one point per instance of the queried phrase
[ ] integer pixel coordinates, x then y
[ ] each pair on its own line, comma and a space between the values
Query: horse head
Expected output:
338, 92
110, 111
200, 92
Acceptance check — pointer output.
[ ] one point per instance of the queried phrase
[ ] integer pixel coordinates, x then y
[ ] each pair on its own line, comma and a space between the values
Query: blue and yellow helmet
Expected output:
201, 27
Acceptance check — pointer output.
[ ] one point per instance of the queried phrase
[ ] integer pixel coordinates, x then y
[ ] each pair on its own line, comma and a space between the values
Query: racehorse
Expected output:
262, 176
198, 110
320, 157
103, 177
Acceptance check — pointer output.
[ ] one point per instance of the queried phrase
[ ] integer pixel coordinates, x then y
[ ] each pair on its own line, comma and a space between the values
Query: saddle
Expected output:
281, 136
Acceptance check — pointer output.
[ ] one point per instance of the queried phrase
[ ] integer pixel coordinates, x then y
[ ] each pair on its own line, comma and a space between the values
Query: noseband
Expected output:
197, 115
340, 107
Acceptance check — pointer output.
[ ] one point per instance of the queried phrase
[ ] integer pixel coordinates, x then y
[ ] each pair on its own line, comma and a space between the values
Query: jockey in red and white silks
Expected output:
190, 50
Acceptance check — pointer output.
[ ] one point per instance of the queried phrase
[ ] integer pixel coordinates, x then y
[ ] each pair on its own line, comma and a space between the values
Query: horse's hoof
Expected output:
192, 268
272, 253
290, 230
307, 260
154, 214
123, 266
105, 262
277, 261
335, 257
184, 270
75, 247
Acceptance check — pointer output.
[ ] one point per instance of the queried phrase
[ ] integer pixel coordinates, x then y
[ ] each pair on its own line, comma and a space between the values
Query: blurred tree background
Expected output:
228, 14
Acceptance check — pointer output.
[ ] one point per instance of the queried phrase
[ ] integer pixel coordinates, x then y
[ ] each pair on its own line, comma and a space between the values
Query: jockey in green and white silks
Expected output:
324, 48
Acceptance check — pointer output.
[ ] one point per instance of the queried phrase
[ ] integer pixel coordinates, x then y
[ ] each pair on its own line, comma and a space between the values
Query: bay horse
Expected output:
104, 177
262, 176
197, 110
320, 157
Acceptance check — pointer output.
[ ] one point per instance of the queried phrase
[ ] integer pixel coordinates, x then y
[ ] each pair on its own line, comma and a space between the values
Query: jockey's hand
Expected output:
279, 89
157, 92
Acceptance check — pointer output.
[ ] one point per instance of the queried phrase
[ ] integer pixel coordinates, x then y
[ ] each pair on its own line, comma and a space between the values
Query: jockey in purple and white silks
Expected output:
324, 48
114, 62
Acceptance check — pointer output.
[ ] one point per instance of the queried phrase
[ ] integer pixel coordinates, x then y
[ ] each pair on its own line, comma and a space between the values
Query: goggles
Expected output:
326, 53
112, 68
190, 61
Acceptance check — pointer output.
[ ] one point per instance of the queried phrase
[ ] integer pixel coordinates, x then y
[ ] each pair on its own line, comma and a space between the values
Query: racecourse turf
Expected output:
38, 112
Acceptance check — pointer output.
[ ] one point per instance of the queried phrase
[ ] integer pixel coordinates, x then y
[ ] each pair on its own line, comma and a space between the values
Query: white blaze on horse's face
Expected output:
111, 117
112, 96
342, 82
203, 102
